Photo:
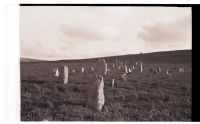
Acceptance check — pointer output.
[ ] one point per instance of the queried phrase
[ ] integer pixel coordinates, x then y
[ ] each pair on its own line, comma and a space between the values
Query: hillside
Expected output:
179, 56
30, 60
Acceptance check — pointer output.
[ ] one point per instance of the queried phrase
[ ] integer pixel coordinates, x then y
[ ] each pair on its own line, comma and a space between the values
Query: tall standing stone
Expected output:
95, 94
126, 69
66, 71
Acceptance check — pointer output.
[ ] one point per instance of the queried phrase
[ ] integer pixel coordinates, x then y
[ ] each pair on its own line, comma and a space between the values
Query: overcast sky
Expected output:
72, 32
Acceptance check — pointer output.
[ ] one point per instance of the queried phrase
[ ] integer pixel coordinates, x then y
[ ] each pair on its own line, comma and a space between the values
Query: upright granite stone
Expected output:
66, 71
95, 94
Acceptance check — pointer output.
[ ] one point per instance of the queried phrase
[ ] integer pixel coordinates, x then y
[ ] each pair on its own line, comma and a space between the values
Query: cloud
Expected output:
88, 33
72, 32
36, 49
169, 30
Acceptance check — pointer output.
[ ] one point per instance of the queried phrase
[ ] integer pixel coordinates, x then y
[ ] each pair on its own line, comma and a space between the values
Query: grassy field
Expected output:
143, 97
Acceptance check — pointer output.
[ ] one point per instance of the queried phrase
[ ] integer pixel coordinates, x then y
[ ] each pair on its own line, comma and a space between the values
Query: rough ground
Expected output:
144, 97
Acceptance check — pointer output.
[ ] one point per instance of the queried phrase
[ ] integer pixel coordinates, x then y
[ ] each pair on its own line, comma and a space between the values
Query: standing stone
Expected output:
129, 70
95, 95
124, 77
136, 64
166, 72
181, 70
92, 68
73, 71
113, 82
119, 67
126, 69
102, 67
113, 65
141, 69
133, 67
159, 69
57, 73
82, 69
66, 71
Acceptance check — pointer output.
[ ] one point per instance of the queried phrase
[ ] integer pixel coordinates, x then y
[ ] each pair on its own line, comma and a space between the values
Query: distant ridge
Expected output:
31, 60
177, 56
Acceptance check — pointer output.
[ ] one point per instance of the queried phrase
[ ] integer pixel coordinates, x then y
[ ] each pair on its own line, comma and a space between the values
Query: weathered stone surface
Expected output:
66, 71
95, 94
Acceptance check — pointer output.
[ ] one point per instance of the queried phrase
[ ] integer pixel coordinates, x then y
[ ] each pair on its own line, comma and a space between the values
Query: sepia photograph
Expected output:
105, 63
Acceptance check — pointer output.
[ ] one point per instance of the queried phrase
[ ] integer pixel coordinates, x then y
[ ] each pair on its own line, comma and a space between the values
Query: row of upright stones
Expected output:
94, 97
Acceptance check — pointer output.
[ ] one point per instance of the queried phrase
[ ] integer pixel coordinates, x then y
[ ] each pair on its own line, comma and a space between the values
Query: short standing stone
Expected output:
57, 73
129, 70
113, 65
92, 68
167, 72
181, 70
113, 82
159, 69
119, 67
82, 69
73, 71
124, 77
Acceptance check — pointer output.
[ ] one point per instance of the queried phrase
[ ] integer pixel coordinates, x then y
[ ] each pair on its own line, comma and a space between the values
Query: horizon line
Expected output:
100, 56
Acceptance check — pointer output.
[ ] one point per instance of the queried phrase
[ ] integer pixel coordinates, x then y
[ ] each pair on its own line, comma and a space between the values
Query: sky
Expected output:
78, 32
